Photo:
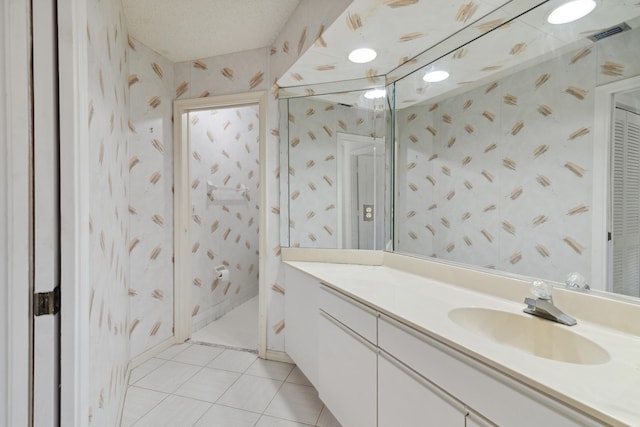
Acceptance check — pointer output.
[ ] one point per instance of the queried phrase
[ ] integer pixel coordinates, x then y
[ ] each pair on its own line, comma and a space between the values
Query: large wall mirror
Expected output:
336, 193
526, 158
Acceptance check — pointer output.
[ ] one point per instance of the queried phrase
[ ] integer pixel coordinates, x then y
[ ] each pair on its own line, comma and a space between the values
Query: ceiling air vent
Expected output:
609, 32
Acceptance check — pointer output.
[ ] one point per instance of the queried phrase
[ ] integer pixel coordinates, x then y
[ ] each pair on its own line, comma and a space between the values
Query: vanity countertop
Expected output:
609, 391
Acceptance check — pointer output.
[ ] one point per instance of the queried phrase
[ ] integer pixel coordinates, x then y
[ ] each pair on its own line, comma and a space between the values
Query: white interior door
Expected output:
625, 203
15, 245
46, 218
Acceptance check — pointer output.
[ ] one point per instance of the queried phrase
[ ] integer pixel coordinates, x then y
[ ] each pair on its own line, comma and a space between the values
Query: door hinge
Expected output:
46, 302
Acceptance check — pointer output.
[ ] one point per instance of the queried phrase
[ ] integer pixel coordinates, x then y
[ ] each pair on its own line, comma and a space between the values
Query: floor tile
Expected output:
296, 402
297, 377
138, 402
168, 377
327, 419
174, 411
250, 393
198, 355
145, 368
267, 421
233, 360
238, 328
224, 416
270, 369
208, 384
173, 351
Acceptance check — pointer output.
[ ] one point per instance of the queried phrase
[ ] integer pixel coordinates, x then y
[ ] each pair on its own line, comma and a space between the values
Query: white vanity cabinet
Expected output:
407, 399
347, 359
301, 318
475, 420
372, 370
497, 397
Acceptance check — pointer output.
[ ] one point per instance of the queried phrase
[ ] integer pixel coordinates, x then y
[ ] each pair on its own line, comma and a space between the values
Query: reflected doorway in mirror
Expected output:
361, 189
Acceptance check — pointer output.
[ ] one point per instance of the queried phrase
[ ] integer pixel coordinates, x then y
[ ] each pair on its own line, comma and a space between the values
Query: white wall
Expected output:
109, 277
150, 198
314, 125
462, 178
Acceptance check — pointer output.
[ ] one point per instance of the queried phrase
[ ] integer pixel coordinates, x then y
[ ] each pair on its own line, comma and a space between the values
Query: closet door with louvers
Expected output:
625, 202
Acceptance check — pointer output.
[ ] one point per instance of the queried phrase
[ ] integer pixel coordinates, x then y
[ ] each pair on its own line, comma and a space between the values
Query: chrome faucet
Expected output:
543, 305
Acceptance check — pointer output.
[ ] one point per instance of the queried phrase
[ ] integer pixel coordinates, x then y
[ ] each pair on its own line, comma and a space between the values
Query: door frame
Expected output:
182, 207
15, 116
347, 145
74, 212
601, 224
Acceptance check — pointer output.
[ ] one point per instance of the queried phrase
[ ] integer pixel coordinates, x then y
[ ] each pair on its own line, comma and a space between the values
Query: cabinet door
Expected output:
406, 399
301, 318
501, 399
347, 374
475, 420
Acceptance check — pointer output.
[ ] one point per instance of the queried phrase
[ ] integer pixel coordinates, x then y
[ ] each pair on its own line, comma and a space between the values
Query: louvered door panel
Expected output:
626, 203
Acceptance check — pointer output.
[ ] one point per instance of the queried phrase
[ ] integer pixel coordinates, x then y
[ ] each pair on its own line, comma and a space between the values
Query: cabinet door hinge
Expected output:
46, 302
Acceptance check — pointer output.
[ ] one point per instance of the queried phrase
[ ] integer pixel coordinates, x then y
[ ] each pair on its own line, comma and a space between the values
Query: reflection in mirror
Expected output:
339, 170
361, 184
498, 165
625, 194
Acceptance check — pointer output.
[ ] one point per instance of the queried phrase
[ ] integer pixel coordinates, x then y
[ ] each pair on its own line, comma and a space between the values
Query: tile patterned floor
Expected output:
237, 328
208, 386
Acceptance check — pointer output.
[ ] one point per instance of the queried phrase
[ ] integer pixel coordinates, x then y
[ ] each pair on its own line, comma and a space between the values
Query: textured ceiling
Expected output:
184, 30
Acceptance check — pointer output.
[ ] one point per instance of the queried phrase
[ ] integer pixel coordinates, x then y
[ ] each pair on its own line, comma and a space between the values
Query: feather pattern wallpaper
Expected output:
245, 72
313, 150
109, 227
221, 75
226, 74
150, 208
132, 227
501, 176
131, 221
250, 72
225, 221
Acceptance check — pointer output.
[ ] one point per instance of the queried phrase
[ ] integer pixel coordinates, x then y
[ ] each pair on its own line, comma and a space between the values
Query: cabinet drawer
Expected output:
408, 400
347, 371
501, 399
355, 316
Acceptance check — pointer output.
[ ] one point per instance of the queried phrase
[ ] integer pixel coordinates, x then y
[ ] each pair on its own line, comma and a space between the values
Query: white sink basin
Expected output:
539, 337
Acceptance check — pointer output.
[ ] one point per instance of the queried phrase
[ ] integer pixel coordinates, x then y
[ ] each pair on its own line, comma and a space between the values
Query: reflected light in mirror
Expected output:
375, 94
435, 76
571, 11
362, 56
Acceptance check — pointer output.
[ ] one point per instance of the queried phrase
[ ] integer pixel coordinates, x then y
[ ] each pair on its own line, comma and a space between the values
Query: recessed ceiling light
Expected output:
363, 55
375, 94
435, 76
571, 11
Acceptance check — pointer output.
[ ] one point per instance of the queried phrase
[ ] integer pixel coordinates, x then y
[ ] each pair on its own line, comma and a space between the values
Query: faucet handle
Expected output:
576, 281
541, 289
